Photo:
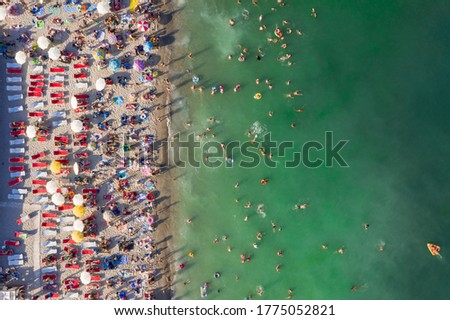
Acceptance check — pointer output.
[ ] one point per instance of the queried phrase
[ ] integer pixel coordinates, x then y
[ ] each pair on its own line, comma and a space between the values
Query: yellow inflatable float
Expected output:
257, 96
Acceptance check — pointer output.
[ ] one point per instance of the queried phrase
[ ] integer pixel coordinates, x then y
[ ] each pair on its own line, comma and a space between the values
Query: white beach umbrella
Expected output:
76, 168
76, 126
78, 225
54, 53
51, 187
43, 42
100, 84
103, 8
3, 13
74, 102
85, 277
78, 200
31, 131
21, 57
58, 199
108, 216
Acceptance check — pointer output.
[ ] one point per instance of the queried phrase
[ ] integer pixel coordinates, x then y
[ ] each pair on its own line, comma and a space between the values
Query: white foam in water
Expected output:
260, 210
258, 128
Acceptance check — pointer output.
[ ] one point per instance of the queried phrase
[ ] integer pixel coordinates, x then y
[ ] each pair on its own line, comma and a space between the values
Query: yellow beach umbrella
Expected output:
77, 236
56, 167
78, 211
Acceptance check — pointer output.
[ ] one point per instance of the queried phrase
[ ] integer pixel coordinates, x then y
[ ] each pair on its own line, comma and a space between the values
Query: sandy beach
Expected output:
123, 175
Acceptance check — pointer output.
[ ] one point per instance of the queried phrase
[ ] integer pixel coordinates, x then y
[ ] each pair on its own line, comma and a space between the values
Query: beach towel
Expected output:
118, 100
14, 79
70, 8
15, 197
54, 10
15, 97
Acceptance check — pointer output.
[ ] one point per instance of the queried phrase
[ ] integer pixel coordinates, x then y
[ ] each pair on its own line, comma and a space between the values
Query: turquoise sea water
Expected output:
372, 72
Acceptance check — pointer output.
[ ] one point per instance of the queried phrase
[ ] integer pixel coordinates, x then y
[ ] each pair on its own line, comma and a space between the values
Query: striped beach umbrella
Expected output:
139, 65
99, 54
148, 46
142, 25
112, 39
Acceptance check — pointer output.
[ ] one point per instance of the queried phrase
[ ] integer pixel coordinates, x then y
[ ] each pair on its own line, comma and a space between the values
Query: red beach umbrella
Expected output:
142, 25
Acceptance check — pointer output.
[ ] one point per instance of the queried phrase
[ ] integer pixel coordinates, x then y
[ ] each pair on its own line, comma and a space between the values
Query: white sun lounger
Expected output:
57, 78
13, 65
16, 150
15, 109
15, 197
50, 243
50, 251
48, 270
19, 191
17, 174
16, 257
59, 123
37, 69
39, 104
15, 97
40, 199
15, 142
40, 174
58, 114
66, 229
13, 79
49, 232
49, 207
71, 295
81, 85
67, 219
91, 244
13, 88
15, 263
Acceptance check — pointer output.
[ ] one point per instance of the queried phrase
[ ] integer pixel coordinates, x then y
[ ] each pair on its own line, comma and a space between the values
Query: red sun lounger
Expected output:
48, 224
35, 94
66, 207
95, 262
90, 191
35, 114
56, 84
20, 234
47, 277
55, 70
93, 270
14, 70
39, 191
49, 215
38, 155
60, 152
62, 138
57, 95
87, 252
16, 168
17, 124
39, 164
69, 241
95, 278
37, 83
80, 75
63, 161
39, 182
16, 160
35, 89
15, 181
80, 65
72, 266
59, 101
82, 103
12, 243
16, 133
41, 139
36, 77
81, 96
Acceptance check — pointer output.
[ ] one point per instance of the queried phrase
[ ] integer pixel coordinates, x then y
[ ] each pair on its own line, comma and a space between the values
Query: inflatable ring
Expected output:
150, 197
257, 96
155, 74
143, 116
191, 254
151, 220
217, 275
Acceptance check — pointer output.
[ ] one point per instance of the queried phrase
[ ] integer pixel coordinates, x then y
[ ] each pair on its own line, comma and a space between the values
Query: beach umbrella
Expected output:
112, 39
148, 46
43, 42
78, 211
77, 236
51, 187
31, 131
21, 57
74, 102
54, 53
92, 146
55, 167
139, 65
58, 199
99, 54
100, 84
2, 13
76, 168
78, 225
78, 200
85, 277
108, 216
13, 10
142, 25
103, 8
76, 126
195, 79
114, 65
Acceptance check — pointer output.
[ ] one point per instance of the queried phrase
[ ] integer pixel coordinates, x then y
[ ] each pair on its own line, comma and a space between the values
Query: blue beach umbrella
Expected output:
195, 79
148, 46
114, 65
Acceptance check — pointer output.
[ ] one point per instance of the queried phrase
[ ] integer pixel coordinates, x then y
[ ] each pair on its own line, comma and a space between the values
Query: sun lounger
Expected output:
49, 215
16, 257
37, 83
17, 174
57, 78
13, 70
40, 199
12, 243
15, 109
90, 190
58, 101
56, 84
41, 139
82, 103
38, 155
80, 65
35, 89
86, 245
16, 160
49, 233
59, 123
19, 191
63, 161
16, 142
62, 138
48, 224
34, 94
72, 295
67, 219
13, 79
66, 207
16, 133
20, 234
66, 229
60, 152
17, 150
15, 263
94, 262
50, 243
72, 266
81, 96
88, 251
37, 69
81, 85
16, 168
13, 65
39, 182
69, 241
39, 191
95, 278
50, 251
48, 269
48, 207
39, 164
57, 95
80, 75
36, 114
13, 182
15, 97
36, 77
49, 277
15, 197
40, 174
36, 105
56, 70
58, 114
13, 88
